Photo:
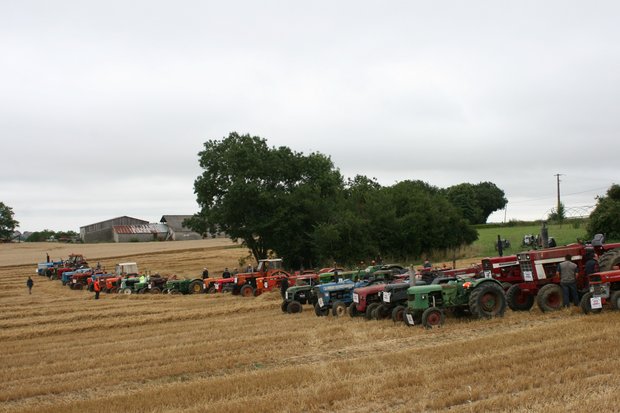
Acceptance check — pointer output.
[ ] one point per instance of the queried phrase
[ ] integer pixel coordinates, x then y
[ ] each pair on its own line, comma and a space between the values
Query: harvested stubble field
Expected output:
62, 351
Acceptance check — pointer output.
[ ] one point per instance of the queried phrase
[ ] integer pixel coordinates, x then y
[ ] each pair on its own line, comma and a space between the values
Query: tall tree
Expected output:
605, 219
7, 222
269, 198
476, 202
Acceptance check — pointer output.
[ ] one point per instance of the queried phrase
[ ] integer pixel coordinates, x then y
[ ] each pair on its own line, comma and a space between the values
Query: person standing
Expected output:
567, 271
29, 284
47, 256
226, 273
590, 267
205, 273
97, 288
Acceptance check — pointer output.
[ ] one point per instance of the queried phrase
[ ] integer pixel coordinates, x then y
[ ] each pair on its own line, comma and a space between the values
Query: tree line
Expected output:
276, 200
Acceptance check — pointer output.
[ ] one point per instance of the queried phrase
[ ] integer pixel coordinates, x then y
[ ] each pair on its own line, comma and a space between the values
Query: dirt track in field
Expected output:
62, 351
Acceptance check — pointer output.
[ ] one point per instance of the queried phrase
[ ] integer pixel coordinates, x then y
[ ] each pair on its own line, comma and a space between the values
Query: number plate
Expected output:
487, 274
386, 297
235, 280
595, 303
149, 286
409, 319
356, 298
266, 284
527, 276
320, 302
217, 286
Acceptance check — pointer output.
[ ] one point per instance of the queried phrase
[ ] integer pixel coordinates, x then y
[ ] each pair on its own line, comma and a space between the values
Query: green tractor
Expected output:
427, 304
191, 286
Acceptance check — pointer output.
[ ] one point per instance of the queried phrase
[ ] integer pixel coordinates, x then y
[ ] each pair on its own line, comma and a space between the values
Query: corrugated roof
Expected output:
141, 229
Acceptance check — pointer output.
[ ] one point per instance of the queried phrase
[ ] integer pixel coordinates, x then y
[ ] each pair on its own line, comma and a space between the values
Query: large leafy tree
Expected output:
269, 198
605, 219
7, 222
476, 202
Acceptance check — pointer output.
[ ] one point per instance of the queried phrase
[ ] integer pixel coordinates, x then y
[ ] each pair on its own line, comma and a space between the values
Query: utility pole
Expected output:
557, 176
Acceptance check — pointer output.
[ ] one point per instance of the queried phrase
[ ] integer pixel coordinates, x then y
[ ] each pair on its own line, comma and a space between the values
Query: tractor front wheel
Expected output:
397, 313
352, 310
369, 309
247, 291
211, 289
411, 317
339, 309
320, 312
383, 311
586, 304
549, 298
518, 300
487, 300
127, 291
294, 307
615, 300
78, 286
142, 290
284, 306
433, 317
155, 290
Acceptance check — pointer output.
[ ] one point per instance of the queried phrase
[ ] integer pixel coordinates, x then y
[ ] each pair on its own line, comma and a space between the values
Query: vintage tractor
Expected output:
604, 288
394, 295
67, 276
539, 267
152, 284
505, 269
244, 284
427, 304
301, 293
337, 296
74, 262
367, 300
185, 286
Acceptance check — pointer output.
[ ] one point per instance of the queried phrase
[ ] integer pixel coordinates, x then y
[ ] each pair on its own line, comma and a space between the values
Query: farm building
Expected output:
103, 231
178, 232
137, 233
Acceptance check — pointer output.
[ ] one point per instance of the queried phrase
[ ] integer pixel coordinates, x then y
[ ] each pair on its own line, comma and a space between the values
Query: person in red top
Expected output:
97, 289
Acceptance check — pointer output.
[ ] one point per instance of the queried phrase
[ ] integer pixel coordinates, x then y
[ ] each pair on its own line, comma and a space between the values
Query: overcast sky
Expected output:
104, 105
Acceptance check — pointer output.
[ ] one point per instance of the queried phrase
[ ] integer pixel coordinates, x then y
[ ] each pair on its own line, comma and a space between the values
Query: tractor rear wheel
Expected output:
398, 313
487, 300
549, 298
78, 286
339, 309
519, 300
615, 300
294, 307
352, 310
155, 290
369, 309
433, 317
247, 291
586, 304
196, 287
609, 260
113, 290
211, 289
142, 290
320, 312
284, 306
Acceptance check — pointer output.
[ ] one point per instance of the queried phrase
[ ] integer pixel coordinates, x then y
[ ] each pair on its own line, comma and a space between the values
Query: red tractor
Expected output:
74, 262
538, 273
604, 288
245, 285
506, 270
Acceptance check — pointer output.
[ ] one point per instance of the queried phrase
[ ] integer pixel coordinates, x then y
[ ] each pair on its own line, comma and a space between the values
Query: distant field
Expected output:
564, 234
64, 352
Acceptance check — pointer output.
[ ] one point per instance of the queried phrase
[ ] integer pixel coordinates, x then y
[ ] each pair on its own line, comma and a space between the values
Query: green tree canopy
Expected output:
269, 198
476, 202
7, 222
605, 219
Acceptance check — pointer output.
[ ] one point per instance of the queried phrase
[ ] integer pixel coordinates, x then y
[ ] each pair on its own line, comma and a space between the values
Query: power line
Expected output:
551, 196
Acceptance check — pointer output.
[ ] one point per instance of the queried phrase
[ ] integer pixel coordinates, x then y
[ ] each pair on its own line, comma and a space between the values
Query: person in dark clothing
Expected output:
47, 256
226, 273
591, 266
205, 273
29, 284
283, 287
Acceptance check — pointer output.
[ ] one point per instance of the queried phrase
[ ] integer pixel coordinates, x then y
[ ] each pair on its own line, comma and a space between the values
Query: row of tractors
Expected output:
422, 297
484, 290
